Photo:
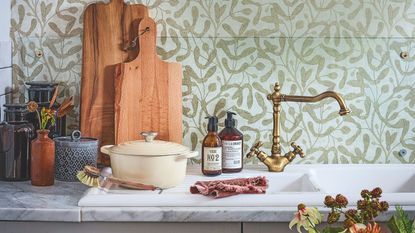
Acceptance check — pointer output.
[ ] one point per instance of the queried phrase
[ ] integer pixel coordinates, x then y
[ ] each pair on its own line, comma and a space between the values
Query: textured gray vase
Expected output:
72, 154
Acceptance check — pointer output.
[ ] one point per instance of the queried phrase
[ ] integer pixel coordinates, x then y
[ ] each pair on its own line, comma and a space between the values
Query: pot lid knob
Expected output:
149, 135
76, 135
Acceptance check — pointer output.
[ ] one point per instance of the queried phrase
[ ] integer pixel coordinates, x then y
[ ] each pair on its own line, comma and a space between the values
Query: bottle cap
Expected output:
229, 121
213, 124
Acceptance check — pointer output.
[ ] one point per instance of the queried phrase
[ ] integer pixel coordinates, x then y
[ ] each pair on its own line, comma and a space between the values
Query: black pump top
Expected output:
229, 121
213, 124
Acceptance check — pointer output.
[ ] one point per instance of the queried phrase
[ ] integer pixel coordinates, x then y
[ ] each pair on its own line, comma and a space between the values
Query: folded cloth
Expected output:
225, 188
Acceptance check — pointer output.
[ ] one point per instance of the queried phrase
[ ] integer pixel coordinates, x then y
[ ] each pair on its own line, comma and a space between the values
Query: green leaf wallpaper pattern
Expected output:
234, 51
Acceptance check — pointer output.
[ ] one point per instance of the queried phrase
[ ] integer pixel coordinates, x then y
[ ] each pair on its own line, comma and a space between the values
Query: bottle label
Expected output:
232, 154
212, 158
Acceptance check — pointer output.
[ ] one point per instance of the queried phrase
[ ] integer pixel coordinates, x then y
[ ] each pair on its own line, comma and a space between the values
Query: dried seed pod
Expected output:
351, 213
376, 192
329, 201
365, 193
375, 205
341, 200
32, 106
362, 204
384, 206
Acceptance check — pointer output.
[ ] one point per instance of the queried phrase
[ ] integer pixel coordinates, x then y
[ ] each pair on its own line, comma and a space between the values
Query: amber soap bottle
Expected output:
212, 150
232, 146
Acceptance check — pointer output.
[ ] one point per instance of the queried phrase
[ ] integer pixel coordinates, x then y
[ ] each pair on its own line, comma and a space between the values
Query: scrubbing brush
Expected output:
93, 177
89, 176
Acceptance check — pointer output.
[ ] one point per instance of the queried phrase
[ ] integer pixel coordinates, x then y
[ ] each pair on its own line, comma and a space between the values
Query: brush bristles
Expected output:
87, 180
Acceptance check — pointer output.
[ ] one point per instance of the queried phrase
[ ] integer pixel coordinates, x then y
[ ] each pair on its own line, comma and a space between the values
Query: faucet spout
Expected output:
312, 99
276, 162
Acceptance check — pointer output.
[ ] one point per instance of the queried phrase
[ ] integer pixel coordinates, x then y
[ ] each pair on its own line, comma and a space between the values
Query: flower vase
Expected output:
42, 169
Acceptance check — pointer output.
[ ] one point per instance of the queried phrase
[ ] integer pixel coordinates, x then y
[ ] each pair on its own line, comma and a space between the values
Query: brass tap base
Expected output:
276, 163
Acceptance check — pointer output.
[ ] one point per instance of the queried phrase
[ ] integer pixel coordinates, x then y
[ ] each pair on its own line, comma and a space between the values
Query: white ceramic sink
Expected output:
396, 180
354, 178
298, 183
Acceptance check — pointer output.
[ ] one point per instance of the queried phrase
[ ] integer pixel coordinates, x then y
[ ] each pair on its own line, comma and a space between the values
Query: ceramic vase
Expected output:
42, 169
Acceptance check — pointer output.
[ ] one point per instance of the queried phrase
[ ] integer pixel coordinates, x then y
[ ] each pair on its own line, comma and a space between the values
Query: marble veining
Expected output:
188, 214
20, 201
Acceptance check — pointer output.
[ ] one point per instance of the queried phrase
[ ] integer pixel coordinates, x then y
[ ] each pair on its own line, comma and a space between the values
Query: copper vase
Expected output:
42, 168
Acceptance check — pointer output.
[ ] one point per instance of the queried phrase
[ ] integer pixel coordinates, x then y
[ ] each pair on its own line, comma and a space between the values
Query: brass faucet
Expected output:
277, 162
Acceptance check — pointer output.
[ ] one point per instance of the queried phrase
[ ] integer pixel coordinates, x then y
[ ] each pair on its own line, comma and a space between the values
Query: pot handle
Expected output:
191, 154
104, 149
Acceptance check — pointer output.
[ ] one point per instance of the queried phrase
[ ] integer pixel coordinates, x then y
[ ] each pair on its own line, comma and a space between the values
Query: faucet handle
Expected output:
297, 149
254, 149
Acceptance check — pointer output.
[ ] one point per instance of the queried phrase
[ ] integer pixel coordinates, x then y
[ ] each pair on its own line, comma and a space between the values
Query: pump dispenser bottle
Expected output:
212, 149
232, 146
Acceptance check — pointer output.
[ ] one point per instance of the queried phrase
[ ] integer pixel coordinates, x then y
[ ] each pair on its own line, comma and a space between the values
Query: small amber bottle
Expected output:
212, 150
232, 146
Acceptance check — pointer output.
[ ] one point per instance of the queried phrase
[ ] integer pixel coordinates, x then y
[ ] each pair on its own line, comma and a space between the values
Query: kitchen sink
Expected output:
307, 184
396, 180
354, 178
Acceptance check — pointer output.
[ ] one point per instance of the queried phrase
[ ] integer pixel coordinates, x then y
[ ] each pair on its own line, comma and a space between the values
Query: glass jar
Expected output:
41, 91
16, 134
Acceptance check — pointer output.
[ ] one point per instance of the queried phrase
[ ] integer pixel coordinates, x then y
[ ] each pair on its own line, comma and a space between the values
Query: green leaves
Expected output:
232, 52
400, 222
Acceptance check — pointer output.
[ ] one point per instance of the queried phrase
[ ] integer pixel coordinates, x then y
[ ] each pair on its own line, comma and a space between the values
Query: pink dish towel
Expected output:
226, 188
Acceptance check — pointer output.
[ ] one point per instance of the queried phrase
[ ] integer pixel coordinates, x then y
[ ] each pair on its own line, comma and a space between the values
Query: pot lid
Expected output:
76, 137
41, 84
15, 107
149, 147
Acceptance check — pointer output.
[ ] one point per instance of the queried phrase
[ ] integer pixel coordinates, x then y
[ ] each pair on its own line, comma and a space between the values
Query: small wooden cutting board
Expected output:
108, 30
148, 94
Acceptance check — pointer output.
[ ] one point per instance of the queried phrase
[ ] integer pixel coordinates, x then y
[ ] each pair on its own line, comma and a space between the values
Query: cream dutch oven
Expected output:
153, 162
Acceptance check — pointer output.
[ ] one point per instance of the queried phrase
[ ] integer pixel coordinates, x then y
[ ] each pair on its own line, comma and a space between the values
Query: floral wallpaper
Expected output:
233, 51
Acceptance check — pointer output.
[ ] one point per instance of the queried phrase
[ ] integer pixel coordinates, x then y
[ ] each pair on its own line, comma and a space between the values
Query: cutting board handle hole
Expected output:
133, 43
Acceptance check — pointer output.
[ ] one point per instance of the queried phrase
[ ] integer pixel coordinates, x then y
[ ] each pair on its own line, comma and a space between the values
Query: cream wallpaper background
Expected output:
234, 51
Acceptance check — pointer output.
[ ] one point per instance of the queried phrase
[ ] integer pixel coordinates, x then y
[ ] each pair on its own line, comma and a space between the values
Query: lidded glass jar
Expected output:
16, 134
42, 92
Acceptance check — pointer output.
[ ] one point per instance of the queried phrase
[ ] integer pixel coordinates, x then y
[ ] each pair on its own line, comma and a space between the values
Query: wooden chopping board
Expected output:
108, 30
148, 94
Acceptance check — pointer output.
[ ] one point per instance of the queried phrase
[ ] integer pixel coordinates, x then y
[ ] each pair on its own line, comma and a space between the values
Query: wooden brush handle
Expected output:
131, 184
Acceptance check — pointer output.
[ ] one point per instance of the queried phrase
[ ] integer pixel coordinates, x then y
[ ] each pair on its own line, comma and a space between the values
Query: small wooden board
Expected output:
148, 94
108, 30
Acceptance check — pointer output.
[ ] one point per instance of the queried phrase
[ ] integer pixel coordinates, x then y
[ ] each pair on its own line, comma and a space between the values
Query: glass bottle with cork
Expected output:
212, 149
232, 146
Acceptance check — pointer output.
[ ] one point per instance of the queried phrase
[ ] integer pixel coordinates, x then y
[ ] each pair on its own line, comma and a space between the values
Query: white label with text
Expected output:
212, 159
232, 154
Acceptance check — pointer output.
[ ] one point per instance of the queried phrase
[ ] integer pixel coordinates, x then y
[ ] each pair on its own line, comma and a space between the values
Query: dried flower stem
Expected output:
39, 119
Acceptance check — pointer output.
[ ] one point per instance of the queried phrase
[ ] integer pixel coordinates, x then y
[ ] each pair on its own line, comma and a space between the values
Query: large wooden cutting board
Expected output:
108, 30
148, 94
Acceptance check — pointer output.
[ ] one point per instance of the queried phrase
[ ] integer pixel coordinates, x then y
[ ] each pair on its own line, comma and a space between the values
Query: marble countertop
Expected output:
20, 201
